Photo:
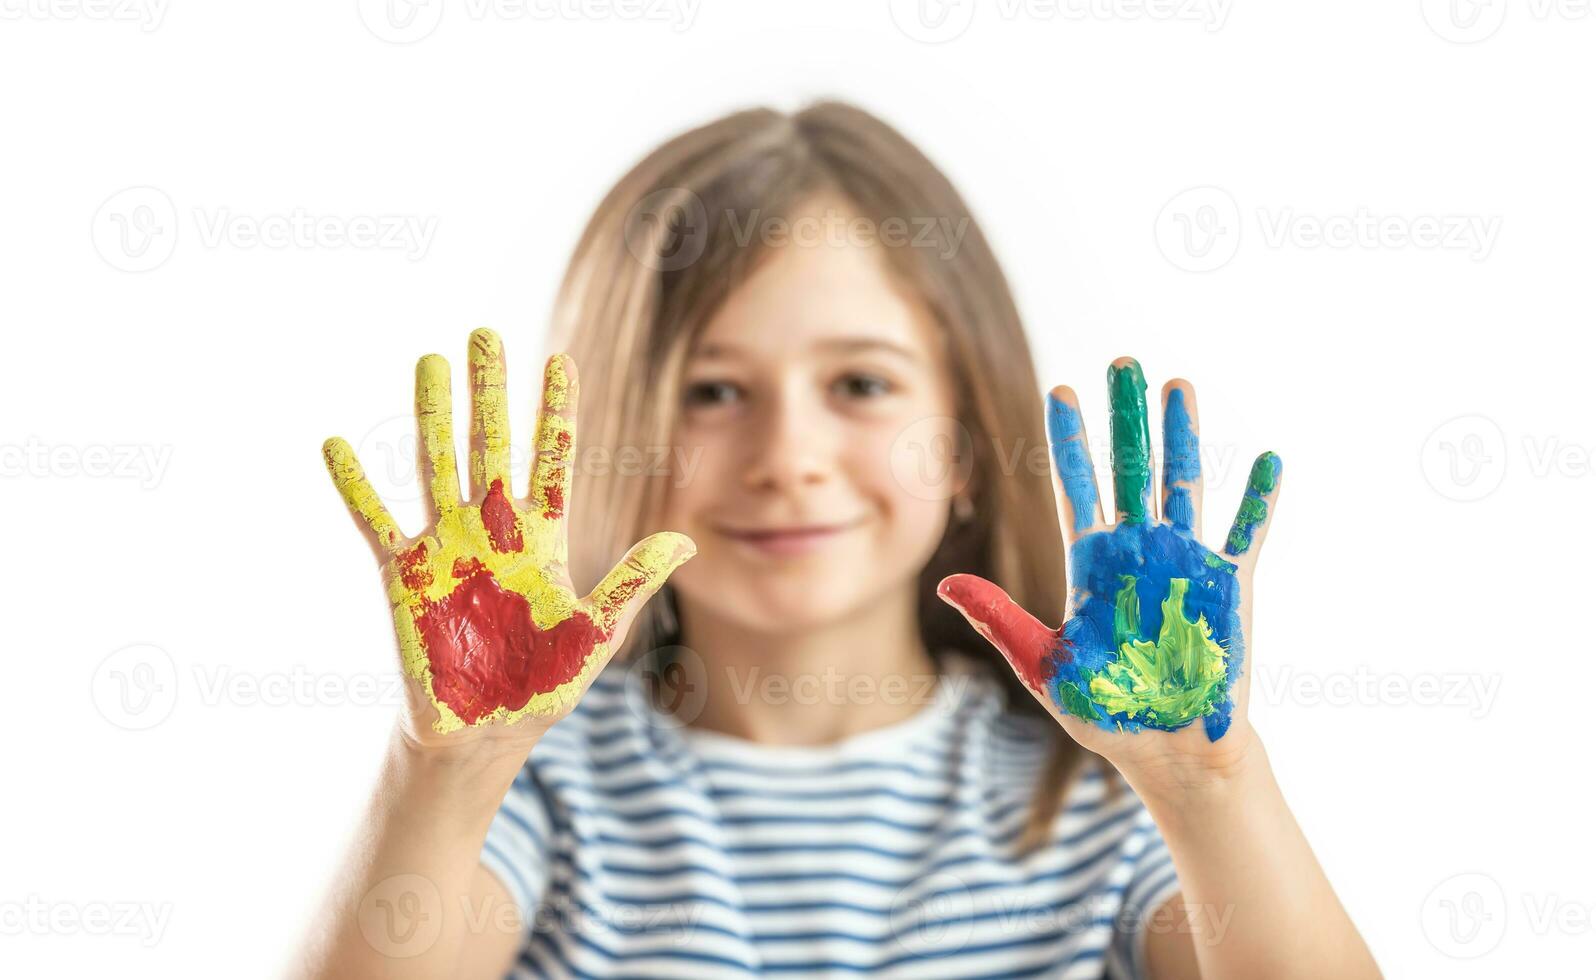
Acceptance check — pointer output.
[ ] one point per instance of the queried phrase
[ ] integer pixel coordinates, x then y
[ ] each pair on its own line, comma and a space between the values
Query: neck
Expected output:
816, 685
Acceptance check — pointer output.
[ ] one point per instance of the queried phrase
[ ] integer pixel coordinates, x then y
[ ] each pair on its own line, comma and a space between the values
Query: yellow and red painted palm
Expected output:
483, 608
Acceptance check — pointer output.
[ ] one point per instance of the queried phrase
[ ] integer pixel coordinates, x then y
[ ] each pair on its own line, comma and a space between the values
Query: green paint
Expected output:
1075, 702
1127, 612
1170, 681
1254, 509
1132, 459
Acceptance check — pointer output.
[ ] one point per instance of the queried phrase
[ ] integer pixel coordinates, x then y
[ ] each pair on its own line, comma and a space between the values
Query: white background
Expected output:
1420, 611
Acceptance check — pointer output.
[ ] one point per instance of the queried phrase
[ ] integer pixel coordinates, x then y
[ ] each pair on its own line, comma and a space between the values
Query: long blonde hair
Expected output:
664, 250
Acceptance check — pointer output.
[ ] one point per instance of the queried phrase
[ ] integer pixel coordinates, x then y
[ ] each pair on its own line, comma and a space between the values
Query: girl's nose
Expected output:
789, 445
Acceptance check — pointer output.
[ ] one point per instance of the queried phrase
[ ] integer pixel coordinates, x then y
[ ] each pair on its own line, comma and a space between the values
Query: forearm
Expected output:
1257, 903
399, 909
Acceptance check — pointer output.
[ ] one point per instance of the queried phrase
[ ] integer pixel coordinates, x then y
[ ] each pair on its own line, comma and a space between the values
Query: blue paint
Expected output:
1072, 462
1182, 463
1152, 555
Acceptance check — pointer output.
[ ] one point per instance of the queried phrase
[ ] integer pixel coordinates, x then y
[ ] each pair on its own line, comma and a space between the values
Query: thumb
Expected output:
1018, 635
633, 581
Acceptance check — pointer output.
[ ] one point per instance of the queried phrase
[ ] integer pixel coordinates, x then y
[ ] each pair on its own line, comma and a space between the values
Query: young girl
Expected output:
797, 353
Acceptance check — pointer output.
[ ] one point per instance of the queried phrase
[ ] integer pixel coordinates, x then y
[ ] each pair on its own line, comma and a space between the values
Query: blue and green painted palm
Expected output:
1155, 638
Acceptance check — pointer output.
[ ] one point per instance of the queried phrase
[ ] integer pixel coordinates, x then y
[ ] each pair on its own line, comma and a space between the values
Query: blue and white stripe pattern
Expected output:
638, 848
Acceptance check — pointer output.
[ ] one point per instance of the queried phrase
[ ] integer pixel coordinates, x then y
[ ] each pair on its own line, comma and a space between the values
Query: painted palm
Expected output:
1155, 634
488, 624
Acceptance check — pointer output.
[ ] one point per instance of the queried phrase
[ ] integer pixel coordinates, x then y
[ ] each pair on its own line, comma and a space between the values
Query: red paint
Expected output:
465, 566
1022, 640
413, 570
486, 652
498, 517
553, 492
610, 610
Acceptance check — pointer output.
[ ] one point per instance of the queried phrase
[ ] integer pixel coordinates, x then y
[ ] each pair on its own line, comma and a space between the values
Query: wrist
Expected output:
465, 779
1180, 784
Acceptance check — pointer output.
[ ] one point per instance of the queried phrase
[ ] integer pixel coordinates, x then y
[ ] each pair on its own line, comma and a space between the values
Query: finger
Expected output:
1074, 482
490, 414
1183, 469
1257, 505
621, 595
358, 494
1018, 635
1130, 446
556, 435
434, 419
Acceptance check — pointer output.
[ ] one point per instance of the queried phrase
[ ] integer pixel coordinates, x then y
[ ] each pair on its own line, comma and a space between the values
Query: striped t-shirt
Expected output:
638, 847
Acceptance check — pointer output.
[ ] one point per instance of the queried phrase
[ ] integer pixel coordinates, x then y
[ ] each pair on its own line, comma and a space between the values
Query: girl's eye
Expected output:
863, 386
702, 393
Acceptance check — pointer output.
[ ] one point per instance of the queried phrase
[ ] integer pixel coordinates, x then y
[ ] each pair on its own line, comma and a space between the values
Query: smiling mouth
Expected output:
788, 539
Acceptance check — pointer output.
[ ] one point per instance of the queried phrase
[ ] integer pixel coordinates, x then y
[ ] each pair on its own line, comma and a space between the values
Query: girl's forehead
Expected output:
821, 299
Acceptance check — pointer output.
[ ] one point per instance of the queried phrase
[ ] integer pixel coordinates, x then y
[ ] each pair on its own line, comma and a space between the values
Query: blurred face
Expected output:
807, 399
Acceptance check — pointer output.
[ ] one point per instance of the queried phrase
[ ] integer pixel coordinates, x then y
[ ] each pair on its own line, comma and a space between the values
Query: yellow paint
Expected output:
537, 572
352, 485
490, 412
435, 419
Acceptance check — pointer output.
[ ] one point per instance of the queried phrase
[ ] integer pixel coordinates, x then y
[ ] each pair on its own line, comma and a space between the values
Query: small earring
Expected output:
963, 509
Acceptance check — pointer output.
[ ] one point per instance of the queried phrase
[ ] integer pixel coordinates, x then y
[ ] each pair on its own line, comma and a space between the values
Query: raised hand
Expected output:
1155, 636
488, 624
